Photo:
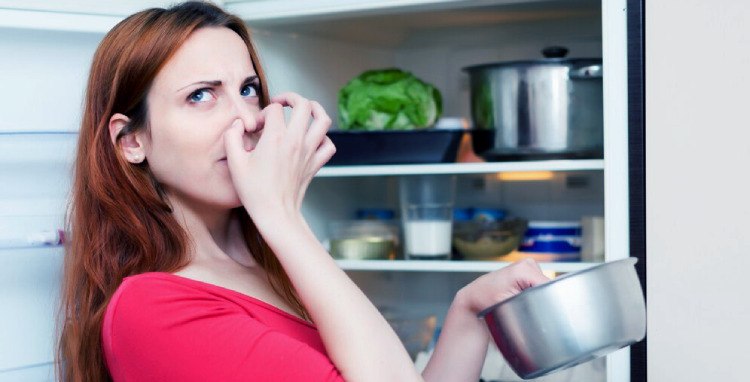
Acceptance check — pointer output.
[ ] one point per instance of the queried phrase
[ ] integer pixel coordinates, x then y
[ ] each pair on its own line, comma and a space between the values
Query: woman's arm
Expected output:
462, 346
271, 180
359, 340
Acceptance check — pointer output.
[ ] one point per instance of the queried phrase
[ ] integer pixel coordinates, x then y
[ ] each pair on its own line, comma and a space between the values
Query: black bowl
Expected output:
395, 147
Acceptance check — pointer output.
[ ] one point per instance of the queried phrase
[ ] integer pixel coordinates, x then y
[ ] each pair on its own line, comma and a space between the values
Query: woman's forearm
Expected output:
358, 339
461, 348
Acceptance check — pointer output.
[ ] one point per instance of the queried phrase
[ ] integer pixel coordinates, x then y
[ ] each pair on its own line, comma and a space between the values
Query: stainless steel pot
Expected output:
570, 320
545, 108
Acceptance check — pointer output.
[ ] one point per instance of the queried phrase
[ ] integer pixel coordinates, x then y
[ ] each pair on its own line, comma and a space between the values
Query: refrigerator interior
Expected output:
314, 57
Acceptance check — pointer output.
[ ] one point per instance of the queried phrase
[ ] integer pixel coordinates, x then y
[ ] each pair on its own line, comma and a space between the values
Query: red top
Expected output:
163, 327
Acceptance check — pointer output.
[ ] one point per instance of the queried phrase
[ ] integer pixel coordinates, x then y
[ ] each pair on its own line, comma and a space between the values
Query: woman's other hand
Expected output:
274, 175
462, 345
500, 285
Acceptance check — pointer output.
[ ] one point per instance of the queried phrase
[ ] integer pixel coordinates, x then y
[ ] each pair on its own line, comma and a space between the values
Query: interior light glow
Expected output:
525, 176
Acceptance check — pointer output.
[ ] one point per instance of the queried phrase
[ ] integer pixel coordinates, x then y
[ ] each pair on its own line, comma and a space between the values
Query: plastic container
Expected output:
560, 239
554, 228
375, 214
363, 240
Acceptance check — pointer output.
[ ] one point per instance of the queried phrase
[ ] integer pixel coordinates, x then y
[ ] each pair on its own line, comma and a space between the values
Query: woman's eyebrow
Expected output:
217, 83
214, 83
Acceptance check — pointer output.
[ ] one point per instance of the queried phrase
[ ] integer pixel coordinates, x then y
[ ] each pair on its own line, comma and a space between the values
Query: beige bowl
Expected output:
487, 247
363, 248
477, 240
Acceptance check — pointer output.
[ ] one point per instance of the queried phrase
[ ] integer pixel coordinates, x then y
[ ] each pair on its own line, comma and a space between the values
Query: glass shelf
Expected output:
462, 168
451, 266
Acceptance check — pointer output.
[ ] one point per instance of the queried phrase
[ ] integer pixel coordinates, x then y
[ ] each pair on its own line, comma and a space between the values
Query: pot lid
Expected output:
553, 55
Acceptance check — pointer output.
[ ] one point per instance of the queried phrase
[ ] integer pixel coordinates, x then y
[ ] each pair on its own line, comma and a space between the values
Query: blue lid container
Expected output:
552, 237
555, 228
559, 244
489, 214
375, 214
463, 214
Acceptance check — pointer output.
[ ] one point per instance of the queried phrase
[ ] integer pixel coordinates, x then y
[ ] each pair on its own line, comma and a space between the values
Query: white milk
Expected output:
428, 238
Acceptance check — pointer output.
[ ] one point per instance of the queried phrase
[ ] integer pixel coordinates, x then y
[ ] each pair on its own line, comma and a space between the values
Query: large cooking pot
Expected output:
569, 320
549, 108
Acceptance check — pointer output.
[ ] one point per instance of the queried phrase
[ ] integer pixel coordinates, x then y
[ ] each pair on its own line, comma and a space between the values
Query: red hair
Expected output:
119, 221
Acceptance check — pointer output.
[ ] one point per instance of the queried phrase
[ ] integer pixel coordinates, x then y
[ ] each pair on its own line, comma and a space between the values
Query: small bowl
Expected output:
479, 240
487, 247
364, 248
363, 239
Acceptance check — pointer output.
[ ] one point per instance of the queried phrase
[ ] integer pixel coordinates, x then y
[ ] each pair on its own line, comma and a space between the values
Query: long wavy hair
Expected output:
119, 221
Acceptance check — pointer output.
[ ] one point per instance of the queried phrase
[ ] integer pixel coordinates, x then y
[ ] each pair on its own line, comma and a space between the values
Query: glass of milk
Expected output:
426, 213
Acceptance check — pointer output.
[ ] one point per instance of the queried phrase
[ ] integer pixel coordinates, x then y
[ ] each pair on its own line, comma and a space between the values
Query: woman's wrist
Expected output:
463, 301
278, 228
270, 215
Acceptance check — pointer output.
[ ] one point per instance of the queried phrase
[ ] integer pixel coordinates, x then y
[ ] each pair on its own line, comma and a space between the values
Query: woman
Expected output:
189, 258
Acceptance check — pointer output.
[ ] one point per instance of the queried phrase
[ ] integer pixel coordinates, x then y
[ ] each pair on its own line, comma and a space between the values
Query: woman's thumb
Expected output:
233, 143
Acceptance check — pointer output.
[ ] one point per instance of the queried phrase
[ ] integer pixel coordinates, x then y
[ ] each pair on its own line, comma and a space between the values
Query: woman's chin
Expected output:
226, 199
233, 202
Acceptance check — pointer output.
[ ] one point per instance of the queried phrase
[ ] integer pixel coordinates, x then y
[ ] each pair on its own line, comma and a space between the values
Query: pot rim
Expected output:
527, 63
486, 311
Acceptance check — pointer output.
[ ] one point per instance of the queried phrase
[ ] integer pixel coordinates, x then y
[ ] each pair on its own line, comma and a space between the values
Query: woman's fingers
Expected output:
233, 143
271, 120
290, 99
319, 127
504, 283
529, 274
322, 155
301, 112
302, 109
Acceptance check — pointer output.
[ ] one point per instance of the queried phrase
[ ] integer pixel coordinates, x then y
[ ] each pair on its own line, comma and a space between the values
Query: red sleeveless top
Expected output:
163, 327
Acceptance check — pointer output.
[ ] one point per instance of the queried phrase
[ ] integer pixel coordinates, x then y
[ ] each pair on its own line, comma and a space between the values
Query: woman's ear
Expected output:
130, 145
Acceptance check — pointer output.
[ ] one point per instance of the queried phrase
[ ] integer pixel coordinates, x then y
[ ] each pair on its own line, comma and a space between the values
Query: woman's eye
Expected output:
200, 95
249, 90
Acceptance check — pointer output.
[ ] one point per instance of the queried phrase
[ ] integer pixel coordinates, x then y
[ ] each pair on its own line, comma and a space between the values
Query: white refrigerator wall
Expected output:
697, 189
44, 75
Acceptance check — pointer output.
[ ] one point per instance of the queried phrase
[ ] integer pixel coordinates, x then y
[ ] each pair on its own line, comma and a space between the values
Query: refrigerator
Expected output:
312, 48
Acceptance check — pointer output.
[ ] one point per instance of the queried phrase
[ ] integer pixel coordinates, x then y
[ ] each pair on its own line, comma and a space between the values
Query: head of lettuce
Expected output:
388, 99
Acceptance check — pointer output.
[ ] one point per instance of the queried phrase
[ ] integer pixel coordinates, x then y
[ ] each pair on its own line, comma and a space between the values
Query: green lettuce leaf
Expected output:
388, 99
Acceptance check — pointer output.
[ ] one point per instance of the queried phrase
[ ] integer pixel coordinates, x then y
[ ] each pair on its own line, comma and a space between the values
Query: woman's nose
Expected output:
248, 116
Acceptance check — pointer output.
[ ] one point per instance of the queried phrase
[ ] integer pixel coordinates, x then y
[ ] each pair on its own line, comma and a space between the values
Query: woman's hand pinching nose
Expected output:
273, 175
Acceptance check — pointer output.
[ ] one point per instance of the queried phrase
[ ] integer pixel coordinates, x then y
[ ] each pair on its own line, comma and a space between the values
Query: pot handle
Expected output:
555, 52
586, 72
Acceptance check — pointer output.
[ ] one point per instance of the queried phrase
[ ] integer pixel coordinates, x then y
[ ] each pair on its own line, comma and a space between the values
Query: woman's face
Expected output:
208, 84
